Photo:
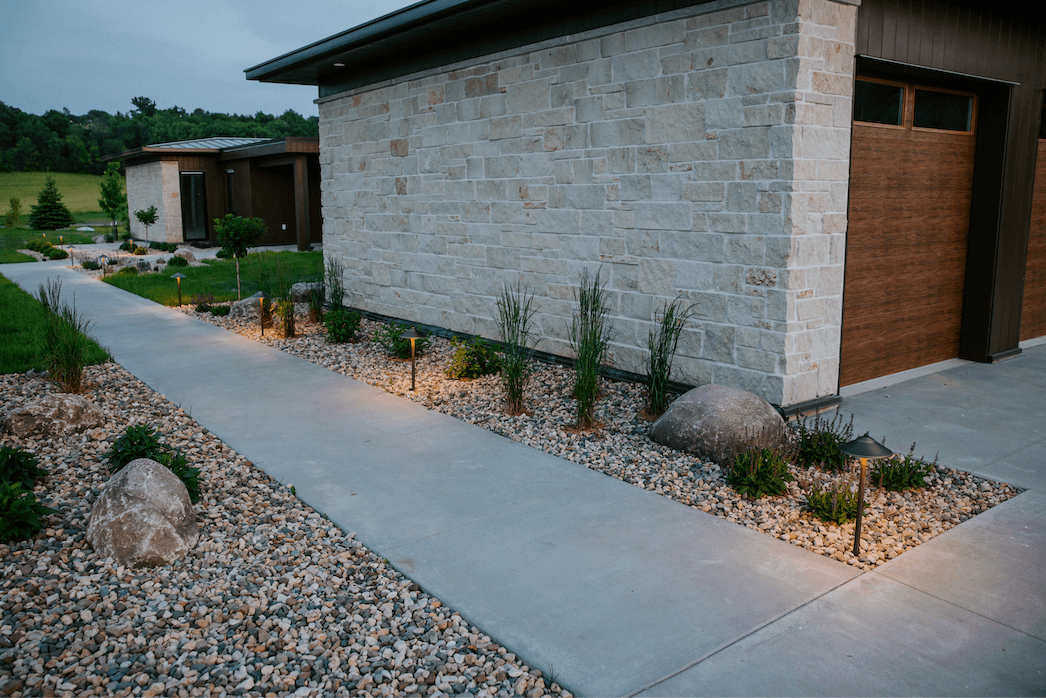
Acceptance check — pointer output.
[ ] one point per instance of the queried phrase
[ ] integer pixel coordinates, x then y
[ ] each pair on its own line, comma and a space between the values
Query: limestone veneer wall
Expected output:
155, 184
701, 153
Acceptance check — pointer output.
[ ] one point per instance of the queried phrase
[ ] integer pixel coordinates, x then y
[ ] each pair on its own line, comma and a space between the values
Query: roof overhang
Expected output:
432, 33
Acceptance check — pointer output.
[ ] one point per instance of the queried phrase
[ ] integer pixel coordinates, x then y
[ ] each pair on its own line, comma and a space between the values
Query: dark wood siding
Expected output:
1033, 313
1005, 42
214, 183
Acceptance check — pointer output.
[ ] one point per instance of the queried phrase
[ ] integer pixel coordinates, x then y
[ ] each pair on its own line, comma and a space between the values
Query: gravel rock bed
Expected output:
893, 521
273, 600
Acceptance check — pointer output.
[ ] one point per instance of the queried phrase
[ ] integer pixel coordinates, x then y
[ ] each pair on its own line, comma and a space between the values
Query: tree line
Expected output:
60, 141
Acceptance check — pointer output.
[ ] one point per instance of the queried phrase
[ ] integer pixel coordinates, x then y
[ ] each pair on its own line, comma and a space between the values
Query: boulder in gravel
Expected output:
187, 254
715, 422
300, 291
246, 309
58, 414
143, 517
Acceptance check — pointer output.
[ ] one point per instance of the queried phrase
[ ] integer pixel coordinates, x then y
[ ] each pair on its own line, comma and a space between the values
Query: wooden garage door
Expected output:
1033, 312
910, 190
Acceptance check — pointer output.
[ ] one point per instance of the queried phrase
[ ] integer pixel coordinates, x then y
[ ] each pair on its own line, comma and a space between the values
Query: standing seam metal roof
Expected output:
216, 143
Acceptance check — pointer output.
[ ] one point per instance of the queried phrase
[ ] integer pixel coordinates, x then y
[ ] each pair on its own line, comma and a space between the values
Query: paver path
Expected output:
615, 587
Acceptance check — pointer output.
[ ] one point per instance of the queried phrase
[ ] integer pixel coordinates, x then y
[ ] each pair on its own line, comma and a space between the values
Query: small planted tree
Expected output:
50, 213
146, 218
113, 200
14, 213
590, 334
236, 234
662, 343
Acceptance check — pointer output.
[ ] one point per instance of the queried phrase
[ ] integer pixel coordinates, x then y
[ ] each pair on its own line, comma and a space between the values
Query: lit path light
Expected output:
413, 335
865, 448
178, 276
262, 300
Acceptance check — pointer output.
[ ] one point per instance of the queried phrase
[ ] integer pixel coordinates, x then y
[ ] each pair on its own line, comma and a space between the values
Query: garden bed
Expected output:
273, 599
893, 521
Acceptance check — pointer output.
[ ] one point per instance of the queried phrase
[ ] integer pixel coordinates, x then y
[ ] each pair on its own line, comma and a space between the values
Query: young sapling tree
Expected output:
147, 218
113, 200
236, 234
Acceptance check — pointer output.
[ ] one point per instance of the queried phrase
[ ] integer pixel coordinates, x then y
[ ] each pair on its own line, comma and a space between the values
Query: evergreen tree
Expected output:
50, 213
113, 200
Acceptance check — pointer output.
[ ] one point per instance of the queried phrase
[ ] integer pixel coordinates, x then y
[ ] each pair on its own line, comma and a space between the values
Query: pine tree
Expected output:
50, 213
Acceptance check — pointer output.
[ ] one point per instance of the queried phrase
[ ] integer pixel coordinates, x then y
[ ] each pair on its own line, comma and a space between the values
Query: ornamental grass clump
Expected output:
902, 473
818, 441
472, 359
759, 472
67, 348
662, 343
142, 441
515, 318
21, 466
334, 283
590, 335
836, 503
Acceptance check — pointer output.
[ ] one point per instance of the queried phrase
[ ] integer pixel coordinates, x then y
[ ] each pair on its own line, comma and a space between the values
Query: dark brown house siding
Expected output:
999, 52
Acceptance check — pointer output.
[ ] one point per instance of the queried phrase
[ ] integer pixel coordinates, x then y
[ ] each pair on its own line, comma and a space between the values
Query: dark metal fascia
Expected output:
392, 23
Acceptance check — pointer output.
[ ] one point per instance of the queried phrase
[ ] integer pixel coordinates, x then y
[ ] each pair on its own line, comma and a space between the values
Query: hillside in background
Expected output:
60, 141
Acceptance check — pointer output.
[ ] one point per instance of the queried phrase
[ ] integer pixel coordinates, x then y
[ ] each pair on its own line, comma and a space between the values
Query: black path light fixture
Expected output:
177, 276
413, 335
103, 261
865, 448
262, 300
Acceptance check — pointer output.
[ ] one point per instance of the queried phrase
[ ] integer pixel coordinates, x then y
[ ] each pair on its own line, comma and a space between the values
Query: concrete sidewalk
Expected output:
617, 588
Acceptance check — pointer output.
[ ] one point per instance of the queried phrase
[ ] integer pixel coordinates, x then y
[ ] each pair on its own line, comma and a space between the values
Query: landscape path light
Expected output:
262, 300
413, 335
103, 260
178, 276
865, 448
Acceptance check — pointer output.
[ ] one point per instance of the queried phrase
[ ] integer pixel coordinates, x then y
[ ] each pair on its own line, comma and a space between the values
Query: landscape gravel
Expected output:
893, 522
273, 600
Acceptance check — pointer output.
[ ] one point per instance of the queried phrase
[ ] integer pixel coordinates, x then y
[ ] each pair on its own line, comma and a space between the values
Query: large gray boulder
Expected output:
59, 414
186, 254
143, 517
715, 422
245, 309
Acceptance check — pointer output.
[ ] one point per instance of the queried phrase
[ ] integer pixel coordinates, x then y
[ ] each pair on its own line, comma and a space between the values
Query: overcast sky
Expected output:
98, 54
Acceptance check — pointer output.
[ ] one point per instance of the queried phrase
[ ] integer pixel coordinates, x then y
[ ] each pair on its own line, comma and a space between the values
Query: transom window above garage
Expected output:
910, 106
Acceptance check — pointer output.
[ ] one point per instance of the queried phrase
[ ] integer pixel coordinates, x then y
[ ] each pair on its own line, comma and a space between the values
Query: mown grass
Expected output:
22, 325
218, 278
80, 192
10, 256
15, 239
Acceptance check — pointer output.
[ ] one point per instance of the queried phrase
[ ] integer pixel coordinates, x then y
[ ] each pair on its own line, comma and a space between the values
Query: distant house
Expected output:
193, 182
844, 189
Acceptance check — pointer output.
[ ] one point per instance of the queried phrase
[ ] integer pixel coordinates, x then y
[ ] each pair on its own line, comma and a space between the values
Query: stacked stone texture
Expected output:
146, 185
701, 153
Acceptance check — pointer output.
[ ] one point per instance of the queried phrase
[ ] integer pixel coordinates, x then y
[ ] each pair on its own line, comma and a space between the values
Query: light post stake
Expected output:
865, 448
178, 276
262, 300
413, 335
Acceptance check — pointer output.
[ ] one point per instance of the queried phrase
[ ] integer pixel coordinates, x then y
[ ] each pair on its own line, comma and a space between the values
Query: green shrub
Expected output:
67, 348
177, 262
109, 237
14, 213
514, 318
56, 253
90, 264
223, 254
818, 442
50, 213
388, 336
201, 302
759, 472
139, 251
472, 359
661, 345
20, 513
127, 245
833, 504
19, 465
342, 325
590, 335
126, 271
142, 441
220, 310
901, 472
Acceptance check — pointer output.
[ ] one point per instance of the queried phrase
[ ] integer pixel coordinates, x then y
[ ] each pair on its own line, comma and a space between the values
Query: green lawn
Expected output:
10, 256
80, 192
22, 325
218, 278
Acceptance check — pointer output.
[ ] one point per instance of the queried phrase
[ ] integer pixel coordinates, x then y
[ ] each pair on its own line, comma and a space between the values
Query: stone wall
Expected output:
700, 154
155, 184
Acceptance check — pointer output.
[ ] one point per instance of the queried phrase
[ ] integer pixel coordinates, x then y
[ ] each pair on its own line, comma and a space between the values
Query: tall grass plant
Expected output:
590, 336
515, 320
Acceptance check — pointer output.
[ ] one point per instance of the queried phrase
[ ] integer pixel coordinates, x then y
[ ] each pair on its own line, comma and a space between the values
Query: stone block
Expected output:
744, 144
650, 36
662, 90
657, 276
613, 134
707, 84
756, 78
662, 216
636, 65
675, 123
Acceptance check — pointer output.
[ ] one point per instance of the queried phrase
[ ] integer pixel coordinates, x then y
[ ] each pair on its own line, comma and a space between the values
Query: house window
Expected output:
194, 206
945, 111
878, 102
